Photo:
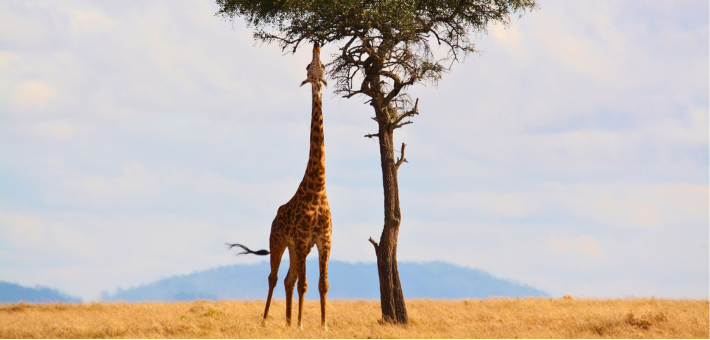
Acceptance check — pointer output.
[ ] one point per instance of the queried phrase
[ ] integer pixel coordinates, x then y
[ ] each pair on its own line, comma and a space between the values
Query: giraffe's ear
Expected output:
324, 82
304, 82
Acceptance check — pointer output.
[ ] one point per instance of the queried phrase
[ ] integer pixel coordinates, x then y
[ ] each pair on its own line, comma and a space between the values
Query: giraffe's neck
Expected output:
314, 178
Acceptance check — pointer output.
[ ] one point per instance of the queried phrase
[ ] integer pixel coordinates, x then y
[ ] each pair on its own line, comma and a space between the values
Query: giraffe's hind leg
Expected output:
323, 255
277, 250
290, 283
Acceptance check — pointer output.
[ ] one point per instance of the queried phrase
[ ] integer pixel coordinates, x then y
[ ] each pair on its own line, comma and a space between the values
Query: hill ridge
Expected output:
432, 279
12, 292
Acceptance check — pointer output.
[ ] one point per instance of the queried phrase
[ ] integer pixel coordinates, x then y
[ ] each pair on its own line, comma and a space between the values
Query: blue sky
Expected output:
570, 154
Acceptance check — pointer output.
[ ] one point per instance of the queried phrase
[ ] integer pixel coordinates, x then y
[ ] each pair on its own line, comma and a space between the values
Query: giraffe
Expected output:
305, 220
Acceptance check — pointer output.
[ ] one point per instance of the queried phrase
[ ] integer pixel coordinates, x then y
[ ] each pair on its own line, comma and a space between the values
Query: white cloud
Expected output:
490, 204
134, 184
91, 20
23, 26
564, 40
509, 38
28, 239
585, 245
34, 94
611, 205
623, 205
60, 129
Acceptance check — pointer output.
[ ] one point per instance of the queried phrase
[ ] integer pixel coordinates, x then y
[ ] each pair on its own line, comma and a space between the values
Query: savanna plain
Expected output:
488, 318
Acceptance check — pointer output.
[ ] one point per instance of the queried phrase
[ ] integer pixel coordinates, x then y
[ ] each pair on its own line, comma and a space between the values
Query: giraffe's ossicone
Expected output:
305, 220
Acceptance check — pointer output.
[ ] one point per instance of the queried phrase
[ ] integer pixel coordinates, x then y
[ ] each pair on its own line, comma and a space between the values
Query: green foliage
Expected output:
385, 44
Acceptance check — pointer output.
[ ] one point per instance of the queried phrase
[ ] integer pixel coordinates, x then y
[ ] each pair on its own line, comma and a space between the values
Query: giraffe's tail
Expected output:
247, 250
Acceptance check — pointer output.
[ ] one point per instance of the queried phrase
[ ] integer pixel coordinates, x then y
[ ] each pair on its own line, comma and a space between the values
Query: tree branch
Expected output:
401, 159
347, 57
374, 243
372, 135
397, 126
352, 94
410, 113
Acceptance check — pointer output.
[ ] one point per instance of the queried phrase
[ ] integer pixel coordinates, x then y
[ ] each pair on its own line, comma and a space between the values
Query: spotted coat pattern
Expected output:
305, 220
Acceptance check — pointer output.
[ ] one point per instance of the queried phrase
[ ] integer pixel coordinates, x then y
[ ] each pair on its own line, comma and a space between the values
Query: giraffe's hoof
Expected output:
263, 323
300, 326
325, 327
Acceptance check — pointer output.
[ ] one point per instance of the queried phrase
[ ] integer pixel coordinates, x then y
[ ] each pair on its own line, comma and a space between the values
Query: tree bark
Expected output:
391, 295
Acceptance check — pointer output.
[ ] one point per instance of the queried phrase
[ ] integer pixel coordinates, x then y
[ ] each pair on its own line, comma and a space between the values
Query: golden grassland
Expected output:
489, 318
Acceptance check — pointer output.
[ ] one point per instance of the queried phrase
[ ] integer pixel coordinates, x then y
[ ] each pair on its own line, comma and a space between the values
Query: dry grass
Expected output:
494, 318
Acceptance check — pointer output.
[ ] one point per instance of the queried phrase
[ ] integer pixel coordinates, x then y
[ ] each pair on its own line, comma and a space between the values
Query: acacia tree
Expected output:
385, 46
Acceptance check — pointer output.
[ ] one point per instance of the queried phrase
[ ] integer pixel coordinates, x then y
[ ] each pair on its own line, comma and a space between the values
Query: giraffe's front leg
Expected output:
302, 283
290, 283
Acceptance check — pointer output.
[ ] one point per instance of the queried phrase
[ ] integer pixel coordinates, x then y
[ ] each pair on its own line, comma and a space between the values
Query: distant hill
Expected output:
10, 292
435, 280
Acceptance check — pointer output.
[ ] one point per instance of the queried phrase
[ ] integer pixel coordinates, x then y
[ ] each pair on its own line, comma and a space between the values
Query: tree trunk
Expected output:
391, 296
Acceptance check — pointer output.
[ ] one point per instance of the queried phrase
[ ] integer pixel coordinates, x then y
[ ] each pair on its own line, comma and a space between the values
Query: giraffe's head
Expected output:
315, 69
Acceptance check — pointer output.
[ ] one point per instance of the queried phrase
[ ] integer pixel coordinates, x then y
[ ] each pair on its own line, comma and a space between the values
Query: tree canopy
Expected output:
387, 43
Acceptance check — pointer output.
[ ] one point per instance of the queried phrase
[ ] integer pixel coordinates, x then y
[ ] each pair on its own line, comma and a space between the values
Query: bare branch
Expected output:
401, 158
414, 111
392, 76
410, 113
347, 55
397, 126
372, 135
352, 94
373, 243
